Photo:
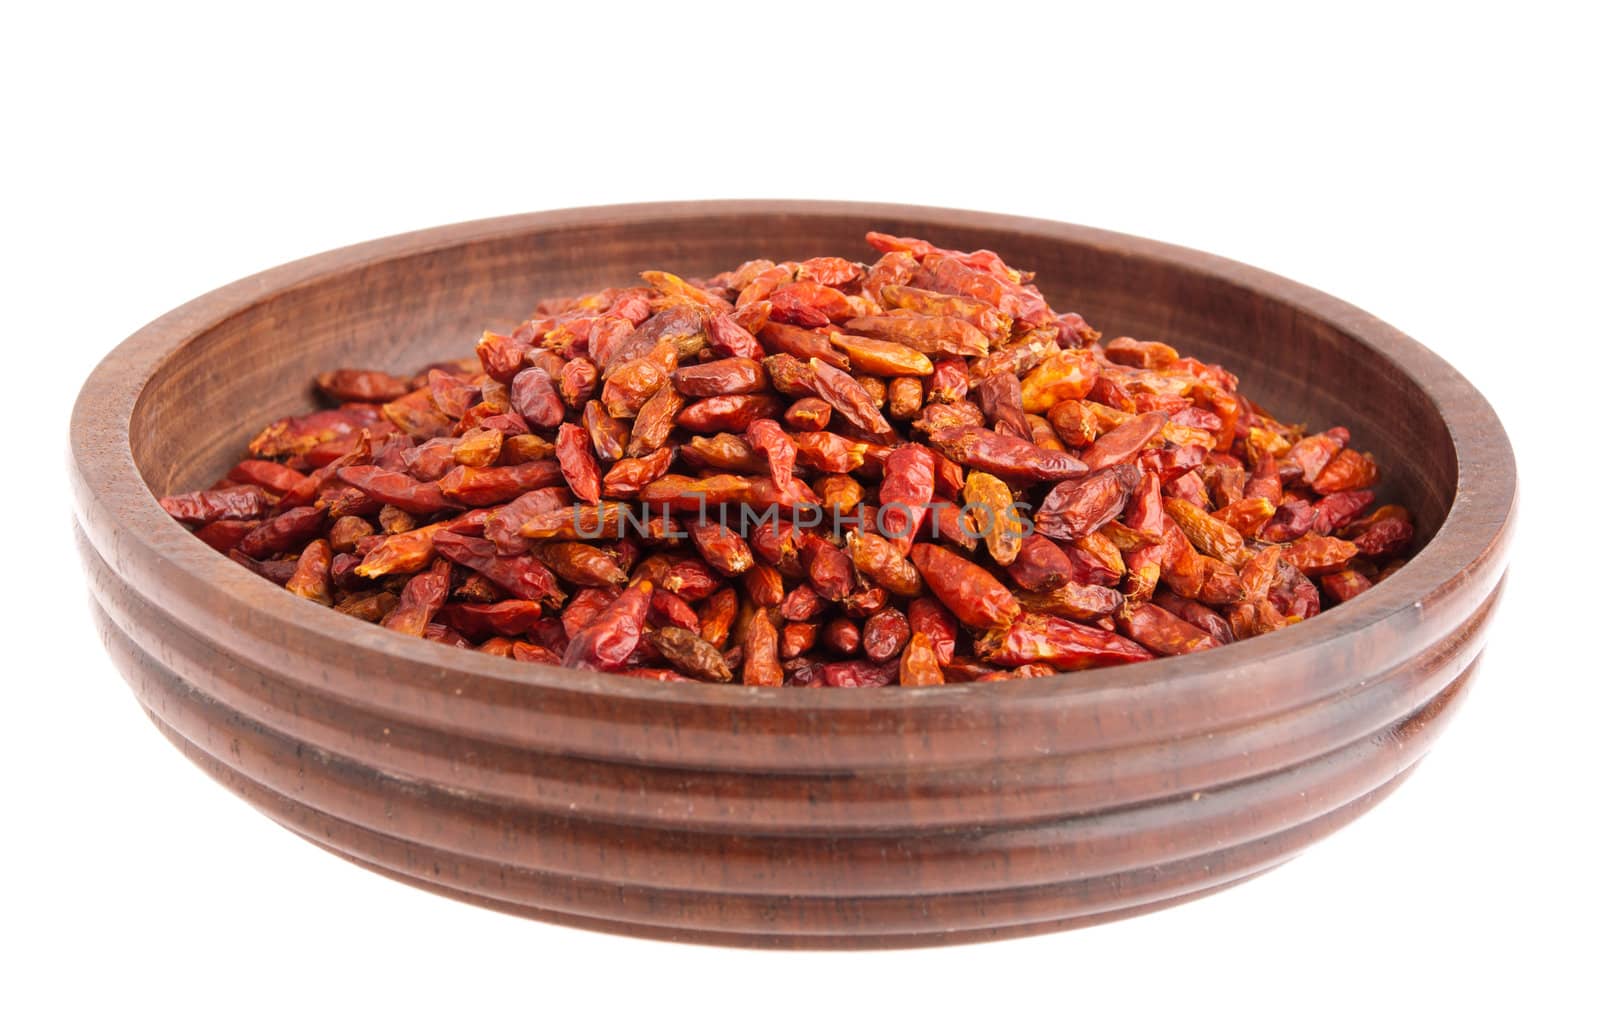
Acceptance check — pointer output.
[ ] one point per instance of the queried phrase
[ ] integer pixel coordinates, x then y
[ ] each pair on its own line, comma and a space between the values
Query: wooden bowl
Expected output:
779, 817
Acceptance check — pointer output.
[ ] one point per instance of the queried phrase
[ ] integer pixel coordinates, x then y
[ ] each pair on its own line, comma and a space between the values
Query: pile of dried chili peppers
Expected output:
810, 472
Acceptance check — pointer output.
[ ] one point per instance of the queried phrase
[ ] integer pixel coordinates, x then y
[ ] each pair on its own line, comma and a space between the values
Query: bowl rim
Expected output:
108, 483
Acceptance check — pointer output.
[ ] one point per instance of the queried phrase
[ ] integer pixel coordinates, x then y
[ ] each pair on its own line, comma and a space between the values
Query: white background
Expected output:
1434, 169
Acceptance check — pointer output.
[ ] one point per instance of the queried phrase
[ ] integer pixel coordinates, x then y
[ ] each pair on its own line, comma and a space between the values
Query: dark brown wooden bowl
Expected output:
791, 816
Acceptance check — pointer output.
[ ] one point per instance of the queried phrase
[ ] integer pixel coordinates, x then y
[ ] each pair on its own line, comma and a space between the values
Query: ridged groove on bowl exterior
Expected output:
679, 797
780, 816
271, 771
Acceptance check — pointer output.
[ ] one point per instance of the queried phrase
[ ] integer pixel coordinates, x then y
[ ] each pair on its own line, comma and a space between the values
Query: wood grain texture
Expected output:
779, 817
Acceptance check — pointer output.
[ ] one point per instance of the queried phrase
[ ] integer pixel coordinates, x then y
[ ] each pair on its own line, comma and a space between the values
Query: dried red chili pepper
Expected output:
1005, 456
692, 494
723, 550
1249, 516
995, 516
1344, 585
904, 400
669, 609
723, 451
1306, 458
1316, 555
629, 384
724, 376
976, 598
625, 479
1039, 564
346, 532
942, 336
1000, 397
480, 487
809, 303
656, 419
1210, 535
1346, 471
841, 636
390, 518
731, 413
607, 435
420, 600
397, 489
368, 606
881, 357
577, 382
796, 639
1063, 376
904, 495
948, 524
312, 578
808, 413
524, 651
1123, 442
1162, 632
581, 564
690, 654
689, 578
717, 615
857, 674
611, 639
895, 268
244, 501
279, 479
512, 618
843, 493
286, 531
1058, 642
478, 448
1076, 508
949, 273
885, 634
800, 344
577, 463
791, 376
828, 568
298, 434
585, 608
1195, 613
364, 385
849, 400
769, 440
521, 576
1385, 538
534, 397
1293, 594
864, 601
503, 525
517, 448
779, 545
1073, 600
991, 321
882, 562
1180, 511
732, 340
828, 452
761, 667
1337, 510
224, 535
919, 666
1292, 519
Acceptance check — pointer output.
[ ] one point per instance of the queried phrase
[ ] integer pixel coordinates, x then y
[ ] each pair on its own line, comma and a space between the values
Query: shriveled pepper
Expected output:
929, 411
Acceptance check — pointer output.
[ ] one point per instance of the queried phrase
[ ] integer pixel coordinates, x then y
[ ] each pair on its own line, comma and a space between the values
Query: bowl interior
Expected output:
403, 311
